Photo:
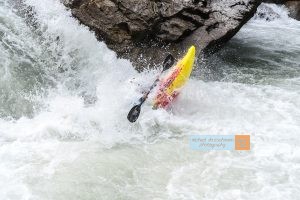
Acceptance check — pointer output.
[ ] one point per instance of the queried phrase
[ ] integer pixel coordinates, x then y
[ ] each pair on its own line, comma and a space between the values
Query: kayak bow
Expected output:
170, 85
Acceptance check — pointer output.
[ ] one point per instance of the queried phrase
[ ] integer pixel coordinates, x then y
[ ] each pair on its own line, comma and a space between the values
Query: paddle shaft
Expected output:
143, 98
135, 110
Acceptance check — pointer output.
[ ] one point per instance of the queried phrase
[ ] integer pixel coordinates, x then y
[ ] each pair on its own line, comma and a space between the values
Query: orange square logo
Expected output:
242, 142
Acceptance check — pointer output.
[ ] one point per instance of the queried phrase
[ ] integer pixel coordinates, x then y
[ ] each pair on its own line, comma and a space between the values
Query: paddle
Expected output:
134, 113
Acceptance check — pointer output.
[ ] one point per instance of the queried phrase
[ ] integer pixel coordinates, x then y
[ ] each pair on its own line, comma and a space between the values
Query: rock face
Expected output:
147, 29
294, 8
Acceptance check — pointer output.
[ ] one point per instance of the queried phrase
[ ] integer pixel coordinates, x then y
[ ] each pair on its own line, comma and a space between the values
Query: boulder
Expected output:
144, 31
294, 8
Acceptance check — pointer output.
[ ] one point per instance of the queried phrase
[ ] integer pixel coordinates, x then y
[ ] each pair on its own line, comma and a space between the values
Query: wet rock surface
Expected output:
146, 30
294, 8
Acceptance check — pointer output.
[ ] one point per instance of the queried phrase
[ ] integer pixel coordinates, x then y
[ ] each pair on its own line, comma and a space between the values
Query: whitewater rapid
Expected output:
64, 98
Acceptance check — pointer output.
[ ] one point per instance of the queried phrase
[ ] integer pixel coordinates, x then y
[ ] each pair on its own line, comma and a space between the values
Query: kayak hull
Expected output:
170, 86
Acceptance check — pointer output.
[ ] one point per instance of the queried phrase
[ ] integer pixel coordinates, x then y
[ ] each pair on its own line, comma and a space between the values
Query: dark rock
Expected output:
275, 1
147, 29
294, 8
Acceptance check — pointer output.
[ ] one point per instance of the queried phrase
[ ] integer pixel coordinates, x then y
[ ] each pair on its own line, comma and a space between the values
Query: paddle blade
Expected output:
134, 113
169, 61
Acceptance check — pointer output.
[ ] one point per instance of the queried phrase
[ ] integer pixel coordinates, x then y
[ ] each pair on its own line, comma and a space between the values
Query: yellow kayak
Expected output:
171, 84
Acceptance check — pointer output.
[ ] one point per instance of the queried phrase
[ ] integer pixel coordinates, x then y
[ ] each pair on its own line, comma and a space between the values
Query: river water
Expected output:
64, 98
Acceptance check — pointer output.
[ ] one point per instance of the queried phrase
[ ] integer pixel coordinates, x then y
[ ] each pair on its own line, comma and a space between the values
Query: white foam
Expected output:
71, 148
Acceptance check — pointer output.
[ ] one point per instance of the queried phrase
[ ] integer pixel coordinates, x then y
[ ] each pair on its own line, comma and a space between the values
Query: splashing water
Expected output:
64, 98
